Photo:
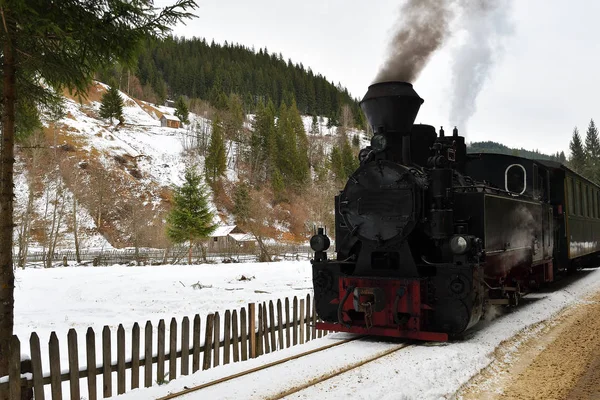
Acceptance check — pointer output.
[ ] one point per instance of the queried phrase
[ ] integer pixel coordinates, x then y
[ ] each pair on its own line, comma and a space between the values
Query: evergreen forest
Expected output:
172, 67
499, 148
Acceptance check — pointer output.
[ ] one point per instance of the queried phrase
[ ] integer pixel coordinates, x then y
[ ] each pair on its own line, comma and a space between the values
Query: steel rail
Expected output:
328, 376
252, 370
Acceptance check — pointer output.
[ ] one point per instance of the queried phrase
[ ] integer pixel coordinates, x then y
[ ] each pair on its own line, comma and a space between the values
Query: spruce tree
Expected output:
190, 219
47, 47
592, 153
112, 105
241, 204
314, 126
181, 110
301, 163
216, 162
577, 160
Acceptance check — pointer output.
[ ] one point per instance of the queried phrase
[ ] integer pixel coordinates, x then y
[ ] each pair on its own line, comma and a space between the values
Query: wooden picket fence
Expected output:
275, 327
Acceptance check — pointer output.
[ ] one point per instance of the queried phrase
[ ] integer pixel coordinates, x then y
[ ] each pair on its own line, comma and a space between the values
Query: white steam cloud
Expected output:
487, 24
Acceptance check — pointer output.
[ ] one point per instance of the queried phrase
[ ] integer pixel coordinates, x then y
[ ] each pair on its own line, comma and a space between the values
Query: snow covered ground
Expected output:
61, 298
419, 372
77, 297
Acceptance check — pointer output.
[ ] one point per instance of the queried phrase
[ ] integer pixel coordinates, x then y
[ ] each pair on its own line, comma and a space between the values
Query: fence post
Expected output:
234, 336
148, 354
227, 334
14, 368
217, 340
287, 322
301, 333
185, 346
196, 346
135, 356
106, 362
73, 364
120, 359
243, 328
173, 349
160, 368
36, 364
54, 367
280, 324
307, 321
272, 326
90, 350
208, 342
295, 321
252, 329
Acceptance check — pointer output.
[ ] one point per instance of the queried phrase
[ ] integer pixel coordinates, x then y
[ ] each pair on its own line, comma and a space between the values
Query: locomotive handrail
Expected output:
490, 189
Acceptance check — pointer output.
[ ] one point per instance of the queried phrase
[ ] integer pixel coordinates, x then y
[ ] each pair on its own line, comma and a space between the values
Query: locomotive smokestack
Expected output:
391, 109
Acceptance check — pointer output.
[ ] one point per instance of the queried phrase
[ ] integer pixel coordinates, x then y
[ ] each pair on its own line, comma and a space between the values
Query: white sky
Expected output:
544, 85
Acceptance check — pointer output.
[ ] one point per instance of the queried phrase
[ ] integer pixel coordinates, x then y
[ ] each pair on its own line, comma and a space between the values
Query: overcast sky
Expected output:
544, 84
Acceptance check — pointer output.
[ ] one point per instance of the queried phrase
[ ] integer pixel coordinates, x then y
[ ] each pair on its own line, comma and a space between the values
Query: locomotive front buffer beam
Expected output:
382, 307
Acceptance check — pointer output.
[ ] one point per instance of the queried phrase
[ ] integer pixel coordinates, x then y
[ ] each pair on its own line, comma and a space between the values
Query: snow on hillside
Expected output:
160, 154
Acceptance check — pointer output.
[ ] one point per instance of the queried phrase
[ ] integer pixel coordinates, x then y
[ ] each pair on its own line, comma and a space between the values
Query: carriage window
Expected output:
577, 198
570, 193
588, 192
515, 179
584, 200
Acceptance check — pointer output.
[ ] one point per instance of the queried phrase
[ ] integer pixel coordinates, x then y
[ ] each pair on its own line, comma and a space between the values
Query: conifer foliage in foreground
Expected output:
190, 219
47, 47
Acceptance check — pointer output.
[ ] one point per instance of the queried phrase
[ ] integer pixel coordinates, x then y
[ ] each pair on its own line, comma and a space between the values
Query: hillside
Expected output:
196, 69
122, 177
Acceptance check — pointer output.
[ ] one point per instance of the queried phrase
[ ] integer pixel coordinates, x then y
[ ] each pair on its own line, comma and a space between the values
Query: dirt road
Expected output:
560, 361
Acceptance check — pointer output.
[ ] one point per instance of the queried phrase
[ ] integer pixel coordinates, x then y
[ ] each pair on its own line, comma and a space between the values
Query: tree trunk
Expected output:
25, 230
75, 235
7, 278
190, 253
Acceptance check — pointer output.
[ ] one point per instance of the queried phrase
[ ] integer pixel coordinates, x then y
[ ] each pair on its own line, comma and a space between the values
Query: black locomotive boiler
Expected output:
426, 235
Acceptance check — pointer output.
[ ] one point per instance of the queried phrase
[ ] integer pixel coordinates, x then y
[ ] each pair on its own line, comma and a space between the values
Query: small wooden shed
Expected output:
230, 237
170, 121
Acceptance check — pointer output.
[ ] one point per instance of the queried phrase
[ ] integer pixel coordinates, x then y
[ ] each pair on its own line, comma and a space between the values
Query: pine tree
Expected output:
181, 110
241, 207
314, 127
47, 47
301, 163
592, 153
112, 105
577, 160
216, 162
190, 219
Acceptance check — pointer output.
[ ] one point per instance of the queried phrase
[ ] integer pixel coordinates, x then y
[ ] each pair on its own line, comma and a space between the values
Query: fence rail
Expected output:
168, 256
247, 334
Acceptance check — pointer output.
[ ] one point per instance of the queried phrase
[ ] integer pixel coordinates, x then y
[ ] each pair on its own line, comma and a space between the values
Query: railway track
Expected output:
297, 388
335, 373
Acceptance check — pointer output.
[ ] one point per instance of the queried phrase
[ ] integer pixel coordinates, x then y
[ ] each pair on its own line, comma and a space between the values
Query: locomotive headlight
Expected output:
378, 142
459, 244
319, 242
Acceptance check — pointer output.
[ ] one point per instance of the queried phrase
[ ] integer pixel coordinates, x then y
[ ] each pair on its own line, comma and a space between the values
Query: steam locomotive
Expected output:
426, 236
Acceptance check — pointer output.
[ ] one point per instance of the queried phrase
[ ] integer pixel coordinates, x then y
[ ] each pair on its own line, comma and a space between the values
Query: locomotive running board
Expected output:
416, 335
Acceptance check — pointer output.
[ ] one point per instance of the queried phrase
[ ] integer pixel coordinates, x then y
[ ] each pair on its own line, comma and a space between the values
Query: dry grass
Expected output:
93, 93
149, 108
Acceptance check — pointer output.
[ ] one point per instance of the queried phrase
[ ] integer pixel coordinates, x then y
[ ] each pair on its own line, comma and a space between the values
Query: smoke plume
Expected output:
486, 23
423, 28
